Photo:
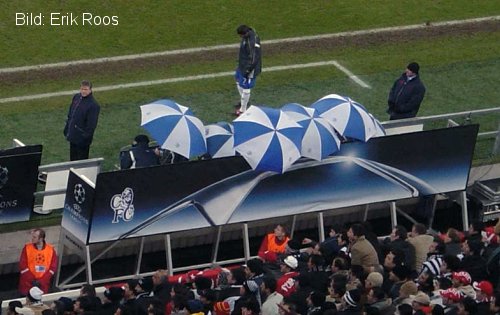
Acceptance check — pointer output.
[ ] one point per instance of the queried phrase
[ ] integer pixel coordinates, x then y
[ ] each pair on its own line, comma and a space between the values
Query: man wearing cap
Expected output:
350, 303
421, 302
37, 264
484, 294
406, 94
286, 283
33, 303
140, 155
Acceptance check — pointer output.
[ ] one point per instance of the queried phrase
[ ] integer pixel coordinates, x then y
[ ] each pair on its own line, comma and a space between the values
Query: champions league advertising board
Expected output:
184, 196
18, 180
78, 206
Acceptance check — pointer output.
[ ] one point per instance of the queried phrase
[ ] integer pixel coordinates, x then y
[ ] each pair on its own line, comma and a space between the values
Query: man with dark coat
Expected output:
249, 64
406, 94
140, 155
81, 123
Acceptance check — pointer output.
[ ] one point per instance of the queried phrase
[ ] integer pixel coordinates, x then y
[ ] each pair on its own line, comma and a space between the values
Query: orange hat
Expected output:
222, 308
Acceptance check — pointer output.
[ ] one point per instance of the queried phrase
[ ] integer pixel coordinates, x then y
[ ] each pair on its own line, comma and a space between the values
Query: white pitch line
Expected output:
182, 79
234, 46
351, 75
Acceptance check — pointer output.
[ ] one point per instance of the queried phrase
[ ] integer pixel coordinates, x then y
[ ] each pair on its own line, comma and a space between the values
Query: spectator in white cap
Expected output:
33, 303
286, 283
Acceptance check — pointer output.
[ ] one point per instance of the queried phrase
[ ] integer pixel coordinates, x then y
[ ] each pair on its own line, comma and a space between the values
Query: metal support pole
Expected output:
292, 228
394, 218
321, 227
433, 210
168, 253
88, 263
246, 242
60, 251
465, 212
215, 249
139, 256
365, 216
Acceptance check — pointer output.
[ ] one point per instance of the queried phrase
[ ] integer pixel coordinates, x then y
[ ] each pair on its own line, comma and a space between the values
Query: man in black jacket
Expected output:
140, 155
82, 121
249, 64
406, 94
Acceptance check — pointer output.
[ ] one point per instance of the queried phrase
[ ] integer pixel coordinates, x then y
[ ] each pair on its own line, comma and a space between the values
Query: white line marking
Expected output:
182, 79
351, 75
234, 46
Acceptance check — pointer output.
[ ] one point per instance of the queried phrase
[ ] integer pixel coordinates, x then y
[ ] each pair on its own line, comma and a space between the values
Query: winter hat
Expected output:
408, 288
451, 294
141, 139
68, 303
352, 297
194, 306
146, 284
114, 294
401, 272
484, 286
375, 278
462, 276
422, 299
433, 266
291, 262
14, 304
35, 293
222, 308
293, 244
413, 67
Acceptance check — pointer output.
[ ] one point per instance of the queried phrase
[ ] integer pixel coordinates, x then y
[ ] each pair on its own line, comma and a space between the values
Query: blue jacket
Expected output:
140, 155
82, 120
405, 97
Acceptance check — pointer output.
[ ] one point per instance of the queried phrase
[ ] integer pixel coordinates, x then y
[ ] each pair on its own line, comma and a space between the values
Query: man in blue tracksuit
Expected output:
81, 123
406, 94
140, 155
249, 64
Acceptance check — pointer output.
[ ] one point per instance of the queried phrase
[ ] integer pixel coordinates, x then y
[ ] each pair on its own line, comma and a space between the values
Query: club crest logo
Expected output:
122, 205
79, 193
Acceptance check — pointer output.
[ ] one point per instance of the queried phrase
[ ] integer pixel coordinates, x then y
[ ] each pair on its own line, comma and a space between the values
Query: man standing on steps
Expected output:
81, 123
249, 65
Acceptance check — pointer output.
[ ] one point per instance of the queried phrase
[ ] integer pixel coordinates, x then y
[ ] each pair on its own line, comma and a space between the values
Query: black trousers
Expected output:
78, 152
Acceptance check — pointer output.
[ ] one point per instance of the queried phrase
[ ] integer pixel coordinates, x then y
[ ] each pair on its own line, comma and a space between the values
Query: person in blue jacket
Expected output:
406, 94
140, 155
81, 122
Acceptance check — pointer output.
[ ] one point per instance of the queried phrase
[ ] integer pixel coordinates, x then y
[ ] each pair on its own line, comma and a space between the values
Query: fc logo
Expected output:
122, 205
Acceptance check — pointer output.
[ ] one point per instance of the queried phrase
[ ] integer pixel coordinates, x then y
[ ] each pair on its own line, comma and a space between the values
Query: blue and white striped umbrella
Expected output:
380, 130
267, 138
320, 139
174, 127
220, 139
348, 117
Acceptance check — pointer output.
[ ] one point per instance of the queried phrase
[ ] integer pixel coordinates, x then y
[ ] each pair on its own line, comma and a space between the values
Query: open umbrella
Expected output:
348, 117
380, 130
220, 139
319, 139
267, 138
174, 127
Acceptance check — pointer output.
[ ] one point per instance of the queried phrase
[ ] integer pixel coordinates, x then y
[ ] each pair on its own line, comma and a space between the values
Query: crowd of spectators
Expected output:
351, 272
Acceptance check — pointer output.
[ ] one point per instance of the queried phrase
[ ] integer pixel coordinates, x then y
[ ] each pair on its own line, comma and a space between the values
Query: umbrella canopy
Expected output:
174, 127
267, 138
380, 130
320, 139
348, 117
220, 139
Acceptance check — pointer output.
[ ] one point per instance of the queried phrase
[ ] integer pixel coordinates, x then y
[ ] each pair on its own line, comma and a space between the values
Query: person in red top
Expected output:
285, 285
273, 244
37, 264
